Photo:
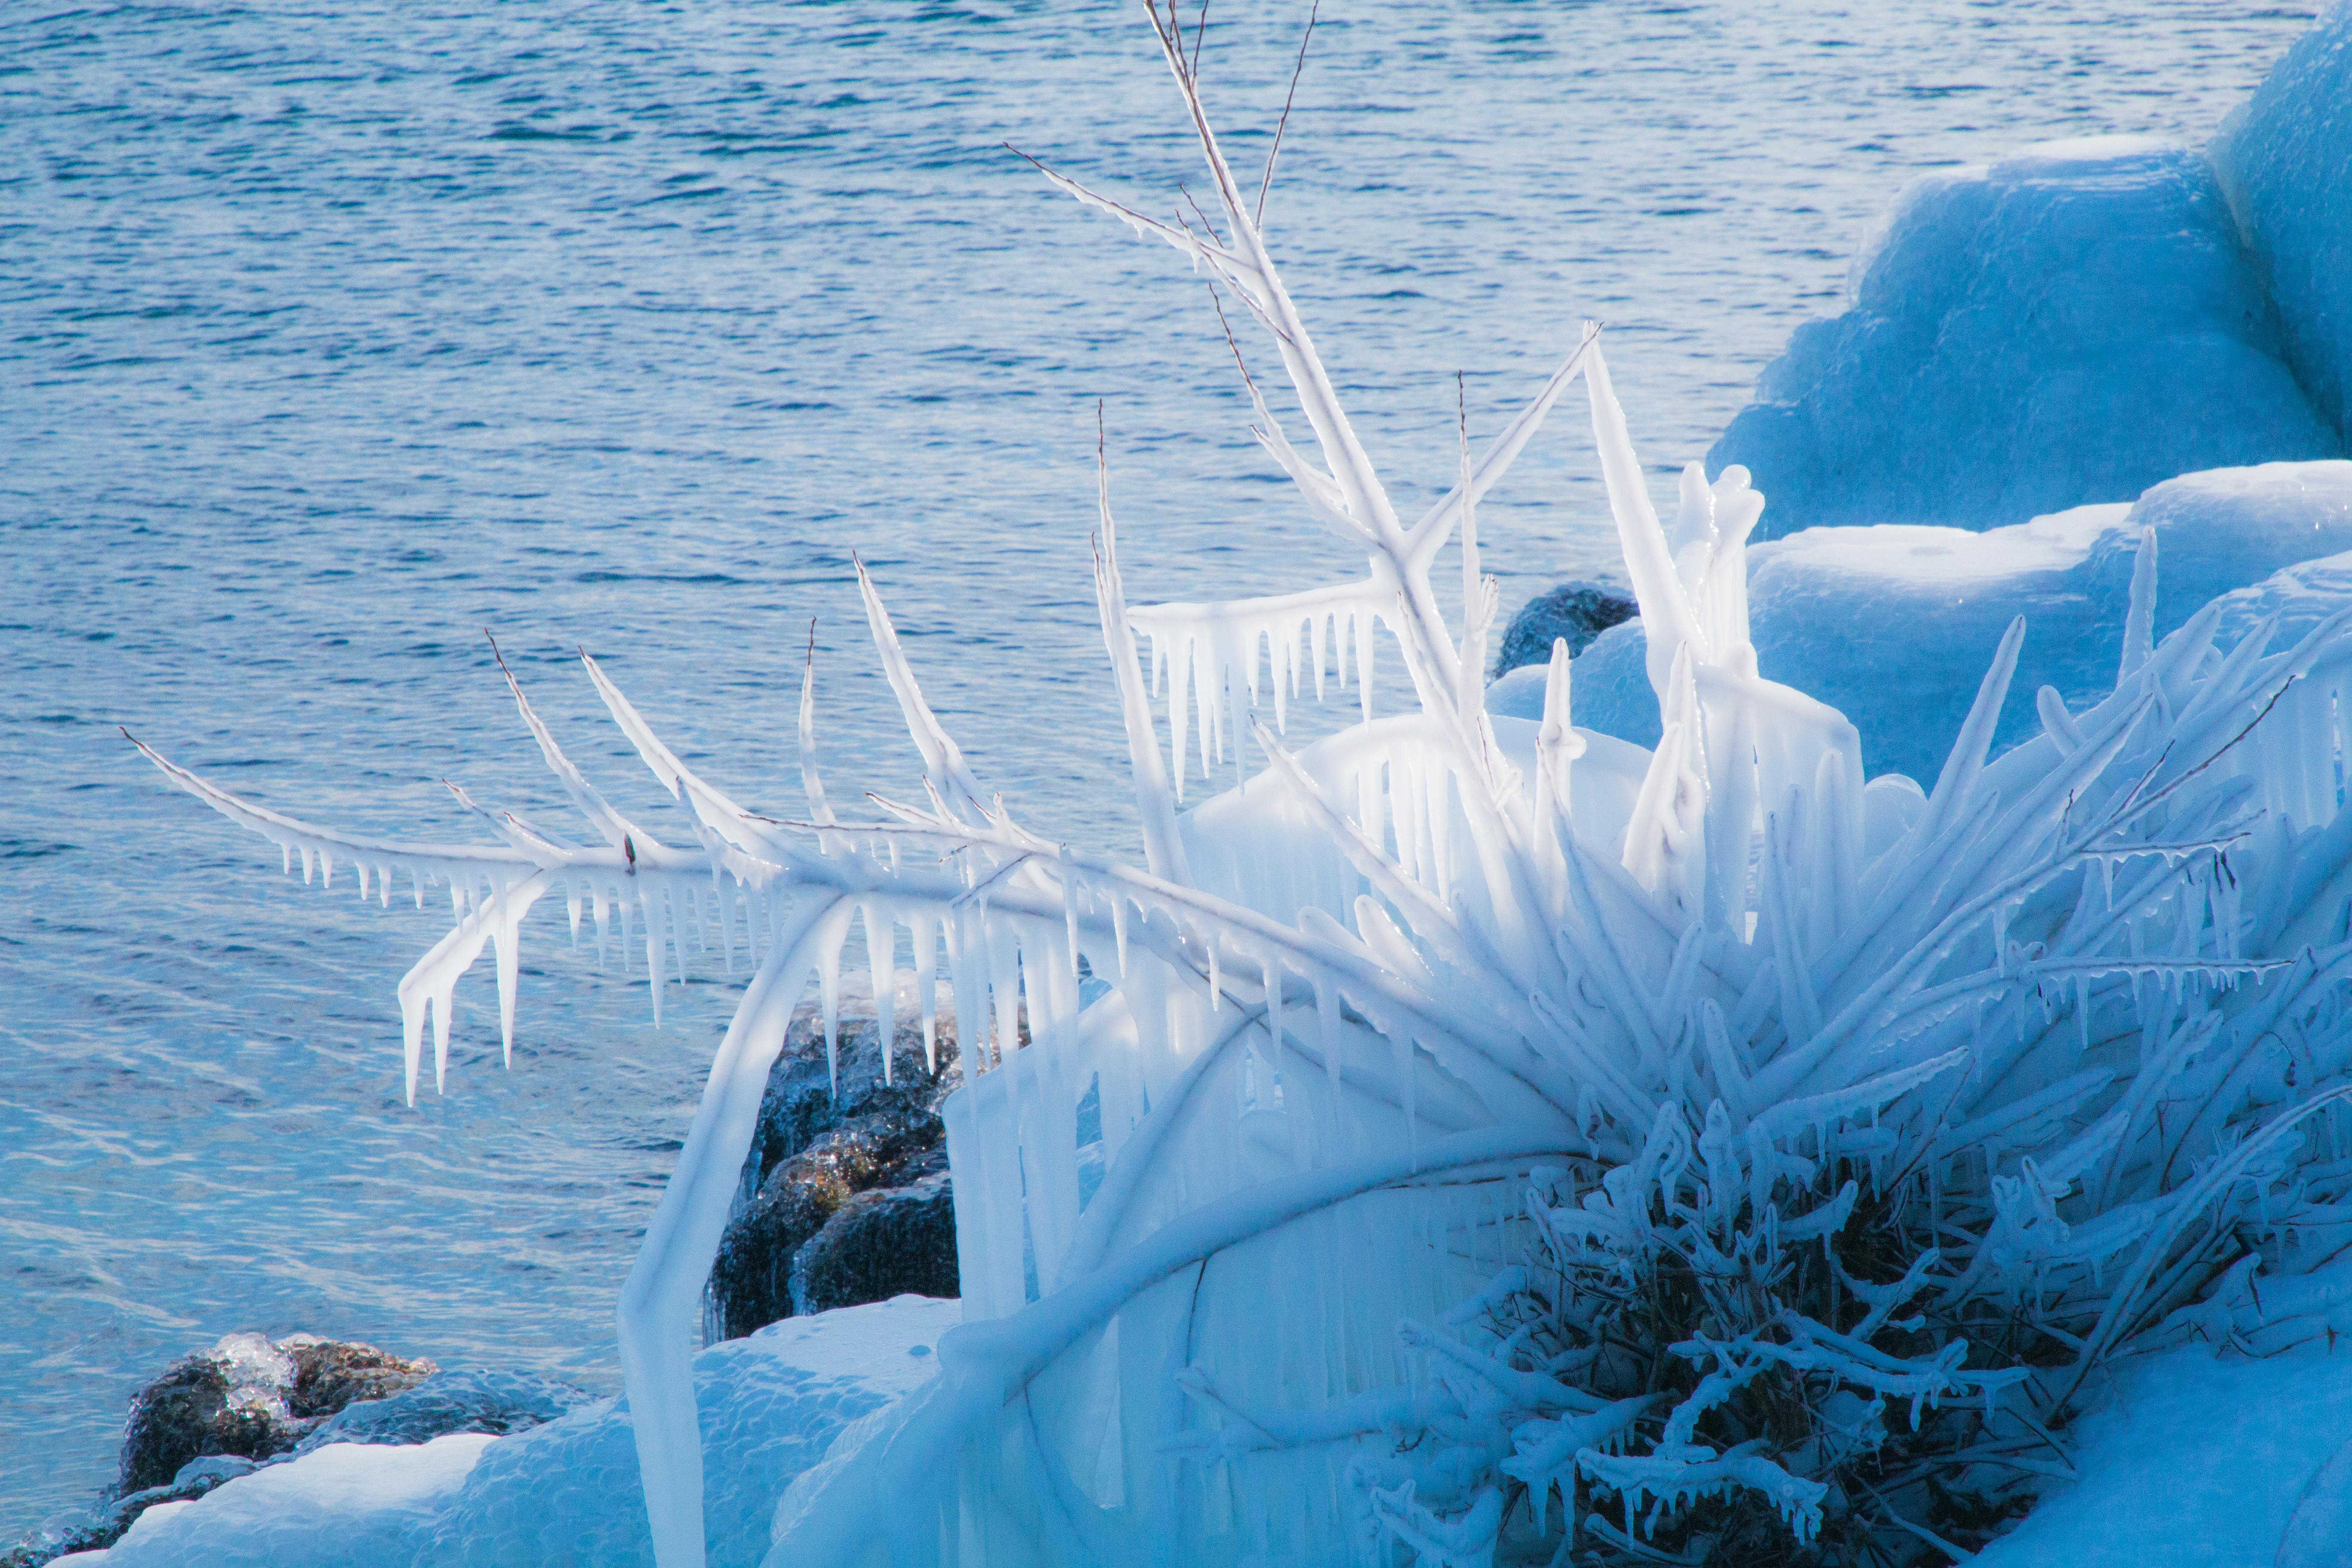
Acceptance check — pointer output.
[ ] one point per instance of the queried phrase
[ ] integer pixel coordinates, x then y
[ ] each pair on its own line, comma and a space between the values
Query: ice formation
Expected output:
1887, 624
2282, 158
1424, 1010
2069, 326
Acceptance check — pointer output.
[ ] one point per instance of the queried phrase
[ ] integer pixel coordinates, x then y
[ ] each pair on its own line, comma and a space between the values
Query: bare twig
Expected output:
1266, 182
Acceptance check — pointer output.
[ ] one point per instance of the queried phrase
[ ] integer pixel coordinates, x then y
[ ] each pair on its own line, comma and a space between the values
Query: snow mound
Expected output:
2282, 158
1893, 624
770, 1405
2069, 326
2197, 1461
342, 1505
567, 1491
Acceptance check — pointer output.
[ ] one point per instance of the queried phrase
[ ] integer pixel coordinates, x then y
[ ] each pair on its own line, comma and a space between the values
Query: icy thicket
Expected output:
2070, 325
1889, 624
2282, 158
1508, 1143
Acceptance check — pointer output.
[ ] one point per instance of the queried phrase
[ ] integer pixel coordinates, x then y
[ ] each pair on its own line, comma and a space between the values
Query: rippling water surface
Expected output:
331, 335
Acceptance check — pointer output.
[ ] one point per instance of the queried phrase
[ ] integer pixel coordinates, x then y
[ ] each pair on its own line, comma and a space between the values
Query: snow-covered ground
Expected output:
2192, 1460
2203, 1462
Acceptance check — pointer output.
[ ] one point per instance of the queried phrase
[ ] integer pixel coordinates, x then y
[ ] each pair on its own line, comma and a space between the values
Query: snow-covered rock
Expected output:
2285, 160
2069, 326
566, 1491
1895, 623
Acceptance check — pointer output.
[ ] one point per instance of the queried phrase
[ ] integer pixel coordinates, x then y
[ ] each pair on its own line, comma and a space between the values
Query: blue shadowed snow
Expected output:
2069, 326
2199, 1462
1895, 625
2285, 159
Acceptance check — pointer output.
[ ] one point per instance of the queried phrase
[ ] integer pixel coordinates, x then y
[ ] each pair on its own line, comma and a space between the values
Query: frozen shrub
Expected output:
1846, 1105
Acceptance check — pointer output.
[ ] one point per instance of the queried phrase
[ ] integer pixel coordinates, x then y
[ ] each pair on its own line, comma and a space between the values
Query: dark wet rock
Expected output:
1576, 610
880, 1243
329, 1374
816, 1150
251, 1396
495, 1402
186, 1414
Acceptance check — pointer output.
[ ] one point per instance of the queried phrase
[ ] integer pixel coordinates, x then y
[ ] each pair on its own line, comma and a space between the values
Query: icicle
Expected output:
726, 910
650, 896
1327, 1019
625, 906
1070, 894
507, 945
828, 990
882, 977
922, 935
2140, 619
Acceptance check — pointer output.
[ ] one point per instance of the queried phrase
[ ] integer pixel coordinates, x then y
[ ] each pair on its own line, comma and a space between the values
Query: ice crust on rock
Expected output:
1891, 624
495, 1402
2069, 326
2283, 157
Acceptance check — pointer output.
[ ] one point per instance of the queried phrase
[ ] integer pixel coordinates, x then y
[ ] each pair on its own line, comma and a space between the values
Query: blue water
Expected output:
333, 333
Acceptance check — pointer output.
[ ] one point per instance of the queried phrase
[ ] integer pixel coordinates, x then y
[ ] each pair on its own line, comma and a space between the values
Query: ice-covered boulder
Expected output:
2285, 160
472, 1401
2069, 326
1895, 623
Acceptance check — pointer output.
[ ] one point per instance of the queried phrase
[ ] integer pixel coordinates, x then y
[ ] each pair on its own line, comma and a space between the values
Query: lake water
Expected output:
333, 333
